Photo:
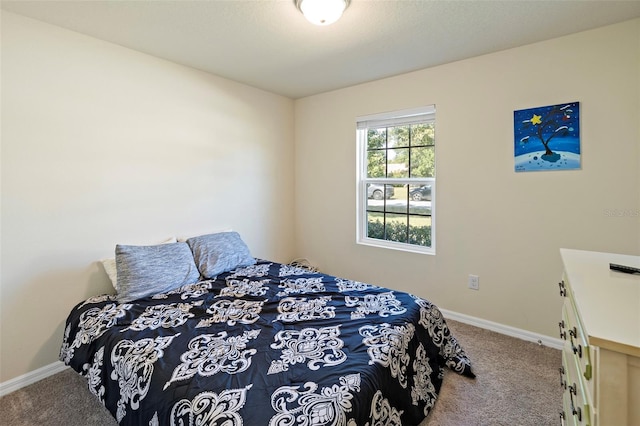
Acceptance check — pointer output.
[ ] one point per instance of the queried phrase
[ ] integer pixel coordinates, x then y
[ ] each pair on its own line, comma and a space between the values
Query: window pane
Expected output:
398, 136
398, 193
377, 163
396, 227
422, 134
375, 225
420, 230
391, 204
376, 138
398, 160
376, 194
419, 193
423, 162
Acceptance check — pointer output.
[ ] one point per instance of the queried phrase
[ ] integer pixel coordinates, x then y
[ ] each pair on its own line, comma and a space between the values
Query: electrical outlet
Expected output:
474, 282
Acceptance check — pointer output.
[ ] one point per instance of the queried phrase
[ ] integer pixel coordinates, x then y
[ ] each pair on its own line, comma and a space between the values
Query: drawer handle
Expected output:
563, 383
576, 349
563, 290
563, 334
577, 411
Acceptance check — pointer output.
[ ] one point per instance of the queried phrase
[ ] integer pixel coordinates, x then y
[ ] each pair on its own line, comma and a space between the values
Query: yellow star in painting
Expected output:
536, 119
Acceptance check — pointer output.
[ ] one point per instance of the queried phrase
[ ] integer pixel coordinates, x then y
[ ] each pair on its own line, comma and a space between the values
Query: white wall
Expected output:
104, 145
504, 226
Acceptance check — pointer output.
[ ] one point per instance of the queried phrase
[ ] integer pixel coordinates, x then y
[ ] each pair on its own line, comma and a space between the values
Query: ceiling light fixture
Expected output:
322, 12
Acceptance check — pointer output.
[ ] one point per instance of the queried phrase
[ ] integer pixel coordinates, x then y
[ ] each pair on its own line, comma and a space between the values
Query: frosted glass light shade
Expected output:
322, 12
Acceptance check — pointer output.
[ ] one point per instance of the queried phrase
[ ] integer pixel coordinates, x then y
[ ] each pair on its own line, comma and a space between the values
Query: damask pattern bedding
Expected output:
268, 344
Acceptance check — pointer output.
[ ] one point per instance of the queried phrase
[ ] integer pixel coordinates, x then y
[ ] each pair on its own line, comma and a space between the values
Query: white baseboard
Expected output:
540, 339
31, 377
56, 367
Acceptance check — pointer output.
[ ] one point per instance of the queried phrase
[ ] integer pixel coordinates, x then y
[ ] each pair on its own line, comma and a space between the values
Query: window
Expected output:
396, 180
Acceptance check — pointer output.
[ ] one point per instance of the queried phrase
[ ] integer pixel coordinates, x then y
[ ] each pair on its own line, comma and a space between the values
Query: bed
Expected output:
264, 344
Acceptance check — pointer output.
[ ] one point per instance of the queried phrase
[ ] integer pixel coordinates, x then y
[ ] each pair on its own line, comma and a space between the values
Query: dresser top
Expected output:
608, 302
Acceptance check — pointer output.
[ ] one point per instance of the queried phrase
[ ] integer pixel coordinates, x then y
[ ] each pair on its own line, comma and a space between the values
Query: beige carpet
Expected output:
517, 383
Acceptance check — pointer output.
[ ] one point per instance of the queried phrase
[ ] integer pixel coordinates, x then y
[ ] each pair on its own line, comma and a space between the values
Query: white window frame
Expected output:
394, 118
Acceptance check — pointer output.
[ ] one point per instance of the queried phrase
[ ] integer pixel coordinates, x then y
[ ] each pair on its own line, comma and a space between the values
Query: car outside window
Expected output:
396, 180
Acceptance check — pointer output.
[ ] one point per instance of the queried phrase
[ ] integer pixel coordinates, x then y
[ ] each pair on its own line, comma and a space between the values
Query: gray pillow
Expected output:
147, 270
218, 253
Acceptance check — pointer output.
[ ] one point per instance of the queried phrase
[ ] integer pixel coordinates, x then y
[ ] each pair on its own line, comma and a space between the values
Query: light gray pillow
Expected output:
109, 265
218, 253
147, 270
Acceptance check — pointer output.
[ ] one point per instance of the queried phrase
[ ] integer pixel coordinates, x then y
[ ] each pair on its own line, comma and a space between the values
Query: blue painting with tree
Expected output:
547, 138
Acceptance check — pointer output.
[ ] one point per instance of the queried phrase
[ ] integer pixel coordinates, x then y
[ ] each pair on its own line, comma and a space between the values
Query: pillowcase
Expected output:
147, 270
218, 253
109, 266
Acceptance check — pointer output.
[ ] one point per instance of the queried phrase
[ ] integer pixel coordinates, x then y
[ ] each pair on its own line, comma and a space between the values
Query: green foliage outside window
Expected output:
409, 148
395, 231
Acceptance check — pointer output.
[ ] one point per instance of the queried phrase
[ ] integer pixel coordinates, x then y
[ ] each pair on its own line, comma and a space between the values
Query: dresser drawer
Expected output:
573, 332
578, 367
566, 415
566, 418
577, 402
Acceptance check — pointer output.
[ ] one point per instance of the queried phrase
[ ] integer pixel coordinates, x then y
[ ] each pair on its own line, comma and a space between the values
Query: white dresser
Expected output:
600, 325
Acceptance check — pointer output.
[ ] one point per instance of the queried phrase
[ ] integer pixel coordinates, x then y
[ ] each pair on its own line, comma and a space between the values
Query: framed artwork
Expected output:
547, 138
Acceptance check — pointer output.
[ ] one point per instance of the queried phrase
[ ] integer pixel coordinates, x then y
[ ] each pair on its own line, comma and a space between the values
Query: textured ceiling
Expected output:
268, 44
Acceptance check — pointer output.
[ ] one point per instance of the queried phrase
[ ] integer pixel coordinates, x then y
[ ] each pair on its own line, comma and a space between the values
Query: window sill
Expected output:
371, 242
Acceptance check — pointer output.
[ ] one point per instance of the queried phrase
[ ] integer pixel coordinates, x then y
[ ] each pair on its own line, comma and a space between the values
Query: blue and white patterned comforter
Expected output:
268, 344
